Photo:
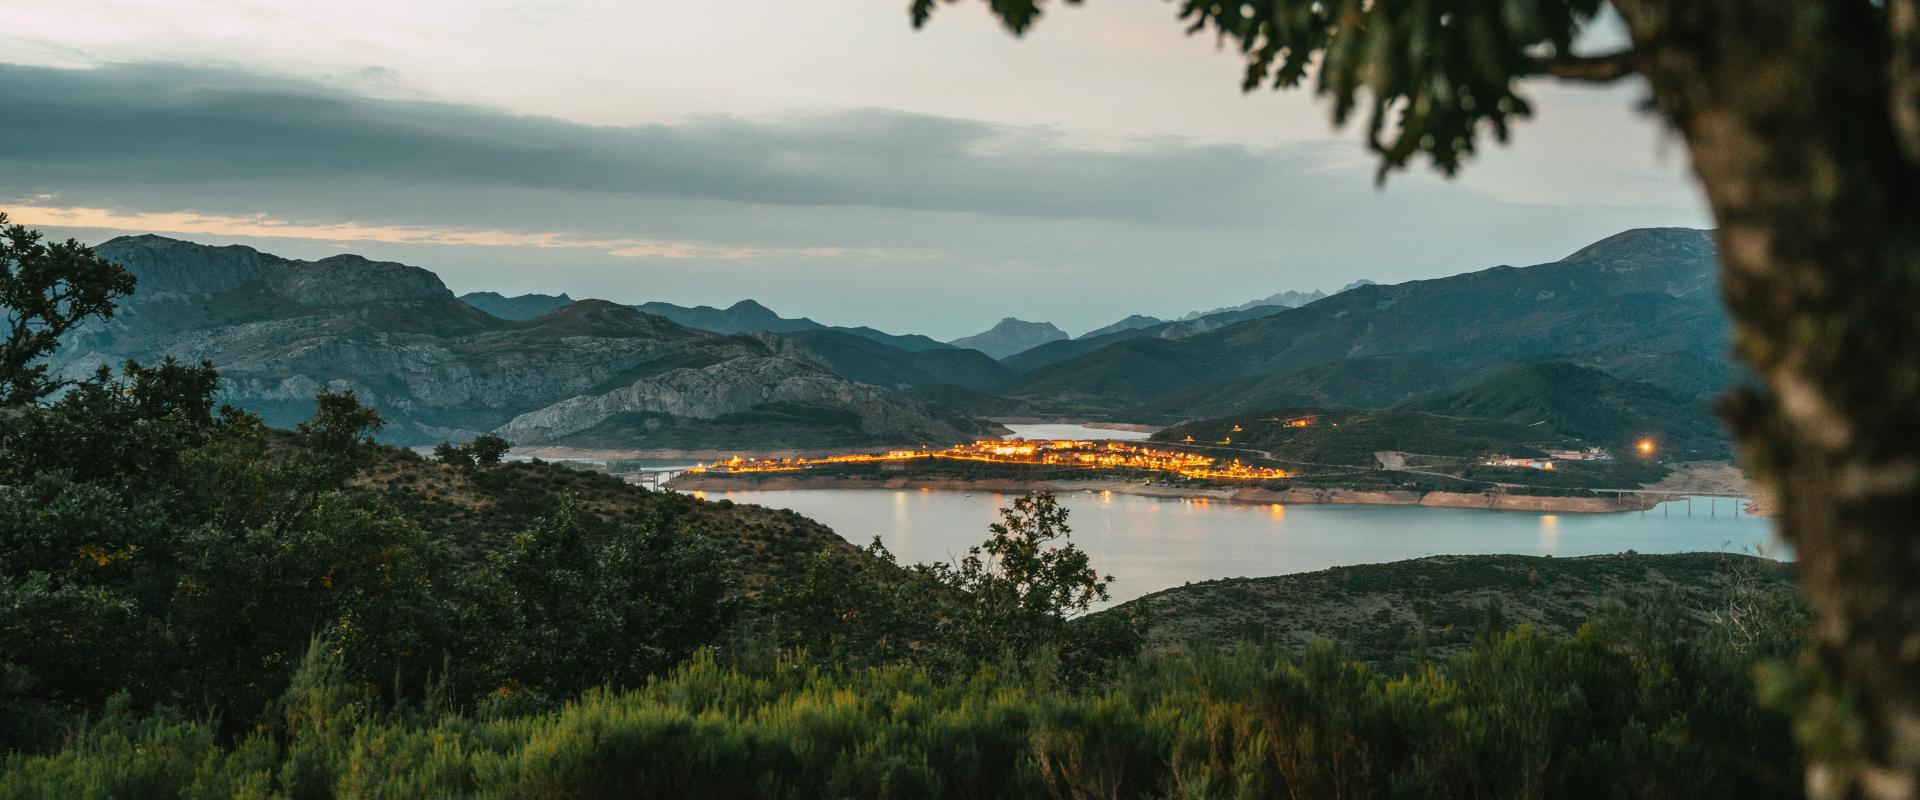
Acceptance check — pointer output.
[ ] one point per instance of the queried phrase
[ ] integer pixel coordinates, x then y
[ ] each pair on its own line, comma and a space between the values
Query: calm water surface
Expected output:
1058, 430
1151, 544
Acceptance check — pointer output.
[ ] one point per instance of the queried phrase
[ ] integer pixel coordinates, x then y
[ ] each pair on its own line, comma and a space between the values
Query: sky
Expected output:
823, 157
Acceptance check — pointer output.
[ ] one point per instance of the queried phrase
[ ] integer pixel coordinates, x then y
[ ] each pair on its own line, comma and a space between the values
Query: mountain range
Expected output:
746, 316
1641, 305
1285, 299
1640, 308
279, 330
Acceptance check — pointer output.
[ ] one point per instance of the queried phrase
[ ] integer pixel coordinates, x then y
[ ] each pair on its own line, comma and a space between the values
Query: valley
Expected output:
1448, 392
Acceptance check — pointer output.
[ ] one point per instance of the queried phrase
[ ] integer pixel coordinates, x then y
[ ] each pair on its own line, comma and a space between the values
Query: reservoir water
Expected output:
1150, 544
1064, 430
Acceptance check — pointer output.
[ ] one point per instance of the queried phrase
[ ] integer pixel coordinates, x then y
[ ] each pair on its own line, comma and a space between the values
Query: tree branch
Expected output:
1587, 69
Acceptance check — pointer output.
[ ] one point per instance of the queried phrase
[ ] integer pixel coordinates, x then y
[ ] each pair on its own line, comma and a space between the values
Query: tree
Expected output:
338, 438
488, 449
453, 455
1022, 587
1803, 123
46, 290
569, 609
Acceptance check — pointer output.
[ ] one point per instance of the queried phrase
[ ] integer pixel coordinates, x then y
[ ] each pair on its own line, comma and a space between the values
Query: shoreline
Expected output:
1245, 495
559, 453
1133, 427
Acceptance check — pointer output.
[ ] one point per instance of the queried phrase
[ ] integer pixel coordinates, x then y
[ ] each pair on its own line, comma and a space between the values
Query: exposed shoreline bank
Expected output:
1248, 495
558, 453
1134, 427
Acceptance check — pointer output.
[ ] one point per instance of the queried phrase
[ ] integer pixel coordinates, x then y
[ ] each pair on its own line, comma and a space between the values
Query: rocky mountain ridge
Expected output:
1642, 305
281, 329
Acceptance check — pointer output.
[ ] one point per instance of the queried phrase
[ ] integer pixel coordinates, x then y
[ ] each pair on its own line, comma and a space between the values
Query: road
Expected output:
1401, 459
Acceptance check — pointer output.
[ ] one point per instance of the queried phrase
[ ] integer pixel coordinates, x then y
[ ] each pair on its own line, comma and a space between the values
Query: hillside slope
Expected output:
1642, 305
483, 507
1382, 611
279, 330
866, 360
1592, 405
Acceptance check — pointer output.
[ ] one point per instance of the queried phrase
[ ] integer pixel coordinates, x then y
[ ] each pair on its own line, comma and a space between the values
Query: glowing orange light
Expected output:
1061, 452
1646, 447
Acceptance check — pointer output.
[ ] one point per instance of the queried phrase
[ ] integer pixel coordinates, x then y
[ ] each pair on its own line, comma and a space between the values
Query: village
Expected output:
1045, 452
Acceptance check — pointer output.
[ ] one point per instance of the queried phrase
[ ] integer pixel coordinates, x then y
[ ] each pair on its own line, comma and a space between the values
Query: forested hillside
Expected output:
1641, 305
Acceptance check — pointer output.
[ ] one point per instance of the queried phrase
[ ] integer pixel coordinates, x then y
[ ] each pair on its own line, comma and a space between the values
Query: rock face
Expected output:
730, 387
1011, 336
280, 330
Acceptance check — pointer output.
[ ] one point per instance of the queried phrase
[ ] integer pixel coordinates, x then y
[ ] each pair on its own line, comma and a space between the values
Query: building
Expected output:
1588, 454
1528, 463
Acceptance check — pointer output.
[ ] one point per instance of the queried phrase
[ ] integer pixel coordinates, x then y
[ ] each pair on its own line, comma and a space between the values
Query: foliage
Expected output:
1592, 406
46, 290
198, 605
137, 520
1431, 78
1019, 598
1625, 709
486, 450
568, 612
1020, 588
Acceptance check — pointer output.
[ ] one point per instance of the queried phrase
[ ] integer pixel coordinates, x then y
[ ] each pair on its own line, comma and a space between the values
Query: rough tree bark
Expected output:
1803, 122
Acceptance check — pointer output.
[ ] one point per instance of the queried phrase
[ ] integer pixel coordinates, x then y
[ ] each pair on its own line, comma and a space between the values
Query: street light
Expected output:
1646, 447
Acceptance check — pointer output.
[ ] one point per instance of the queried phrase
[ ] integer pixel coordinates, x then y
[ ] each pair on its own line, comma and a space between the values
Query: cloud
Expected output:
30, 211
150, 123
911, 222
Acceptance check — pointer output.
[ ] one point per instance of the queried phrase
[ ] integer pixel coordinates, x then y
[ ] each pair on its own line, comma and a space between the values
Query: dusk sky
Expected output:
821, 157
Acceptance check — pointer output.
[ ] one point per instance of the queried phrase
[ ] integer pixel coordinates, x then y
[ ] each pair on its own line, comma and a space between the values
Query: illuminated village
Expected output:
1045, 452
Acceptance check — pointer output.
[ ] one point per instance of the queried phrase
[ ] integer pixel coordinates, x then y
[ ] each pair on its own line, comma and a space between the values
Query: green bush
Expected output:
1626, 709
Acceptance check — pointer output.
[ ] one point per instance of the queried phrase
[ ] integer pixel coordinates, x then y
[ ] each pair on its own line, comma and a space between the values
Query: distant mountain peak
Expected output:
1287, 299
518, 307
1640, 245
1011, 335
1132, 322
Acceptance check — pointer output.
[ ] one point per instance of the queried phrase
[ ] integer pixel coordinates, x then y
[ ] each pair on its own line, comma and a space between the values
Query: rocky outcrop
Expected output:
280, 330
169, 269
731, 387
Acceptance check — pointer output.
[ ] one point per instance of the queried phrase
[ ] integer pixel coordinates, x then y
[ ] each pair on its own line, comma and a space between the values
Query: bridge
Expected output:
655, 479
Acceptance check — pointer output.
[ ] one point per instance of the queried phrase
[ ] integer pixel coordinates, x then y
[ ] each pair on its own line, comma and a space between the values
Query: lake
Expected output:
1150, 544
1062, 430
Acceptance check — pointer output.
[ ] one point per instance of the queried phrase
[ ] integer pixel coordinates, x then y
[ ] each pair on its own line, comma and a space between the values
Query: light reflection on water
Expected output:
1152, 543
1061, 430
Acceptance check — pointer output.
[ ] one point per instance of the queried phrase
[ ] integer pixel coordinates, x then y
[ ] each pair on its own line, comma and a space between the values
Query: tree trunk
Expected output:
1798, 126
